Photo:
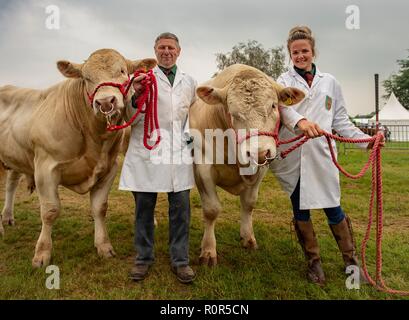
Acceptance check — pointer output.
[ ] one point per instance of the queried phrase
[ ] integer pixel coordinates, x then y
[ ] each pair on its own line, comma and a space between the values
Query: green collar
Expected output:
302, 72
167, 71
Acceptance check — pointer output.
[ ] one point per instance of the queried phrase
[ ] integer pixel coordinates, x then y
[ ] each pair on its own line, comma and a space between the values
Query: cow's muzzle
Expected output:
106, 105
263, 158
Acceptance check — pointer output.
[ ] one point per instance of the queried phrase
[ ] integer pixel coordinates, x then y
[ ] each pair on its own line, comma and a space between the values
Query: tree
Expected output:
399, 83
252, 53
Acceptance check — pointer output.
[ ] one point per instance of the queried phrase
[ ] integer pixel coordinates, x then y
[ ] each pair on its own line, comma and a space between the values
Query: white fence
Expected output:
397, 136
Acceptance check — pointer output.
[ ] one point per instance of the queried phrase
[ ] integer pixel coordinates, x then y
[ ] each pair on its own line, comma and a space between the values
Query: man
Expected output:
145, 176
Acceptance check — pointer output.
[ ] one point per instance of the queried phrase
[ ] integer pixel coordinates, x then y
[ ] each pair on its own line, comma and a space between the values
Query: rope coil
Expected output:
374, 161
149, 98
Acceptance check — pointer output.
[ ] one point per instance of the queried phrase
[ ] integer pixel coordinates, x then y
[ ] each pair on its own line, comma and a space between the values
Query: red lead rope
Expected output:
375, 161
149, 98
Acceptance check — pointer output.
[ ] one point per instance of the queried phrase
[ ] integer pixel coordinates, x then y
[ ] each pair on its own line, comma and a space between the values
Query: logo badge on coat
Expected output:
328, 103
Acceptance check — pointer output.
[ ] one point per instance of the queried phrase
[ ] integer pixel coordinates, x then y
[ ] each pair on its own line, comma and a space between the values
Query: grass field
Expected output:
275, 271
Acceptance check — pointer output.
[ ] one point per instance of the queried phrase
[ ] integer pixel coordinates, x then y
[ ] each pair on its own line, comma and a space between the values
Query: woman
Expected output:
308, 174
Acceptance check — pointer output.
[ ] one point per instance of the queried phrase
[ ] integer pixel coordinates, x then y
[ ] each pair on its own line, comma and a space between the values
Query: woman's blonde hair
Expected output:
300, 33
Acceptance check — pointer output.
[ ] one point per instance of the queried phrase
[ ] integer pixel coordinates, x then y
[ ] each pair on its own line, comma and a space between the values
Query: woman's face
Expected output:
301, 54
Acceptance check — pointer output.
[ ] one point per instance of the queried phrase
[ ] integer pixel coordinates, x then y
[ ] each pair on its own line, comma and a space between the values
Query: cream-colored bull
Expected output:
239, 97
58, 137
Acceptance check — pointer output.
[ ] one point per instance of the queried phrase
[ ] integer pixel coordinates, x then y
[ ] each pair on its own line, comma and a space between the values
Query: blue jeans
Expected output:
334, 215
179, 222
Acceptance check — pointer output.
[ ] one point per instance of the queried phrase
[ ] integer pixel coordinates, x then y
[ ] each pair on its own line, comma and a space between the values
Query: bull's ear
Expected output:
211, 95
145, 64
290, 96
69, 69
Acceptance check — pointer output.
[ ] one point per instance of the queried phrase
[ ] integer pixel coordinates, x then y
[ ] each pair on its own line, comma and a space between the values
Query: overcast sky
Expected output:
29, 50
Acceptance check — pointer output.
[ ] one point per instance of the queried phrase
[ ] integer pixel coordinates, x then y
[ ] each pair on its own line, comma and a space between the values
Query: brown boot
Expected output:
184, 274
309, 244
344, 236
139, 272
345, 239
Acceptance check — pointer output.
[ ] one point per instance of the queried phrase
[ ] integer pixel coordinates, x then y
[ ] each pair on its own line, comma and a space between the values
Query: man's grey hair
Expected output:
167, 35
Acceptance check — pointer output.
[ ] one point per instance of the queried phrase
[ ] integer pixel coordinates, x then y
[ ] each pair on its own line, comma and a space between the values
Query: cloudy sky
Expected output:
29, 50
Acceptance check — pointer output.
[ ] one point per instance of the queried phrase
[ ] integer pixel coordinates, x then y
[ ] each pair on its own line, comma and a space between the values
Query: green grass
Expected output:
275, 271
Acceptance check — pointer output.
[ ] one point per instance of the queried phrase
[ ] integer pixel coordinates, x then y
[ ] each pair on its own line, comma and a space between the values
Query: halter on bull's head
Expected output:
251, 102
106, 74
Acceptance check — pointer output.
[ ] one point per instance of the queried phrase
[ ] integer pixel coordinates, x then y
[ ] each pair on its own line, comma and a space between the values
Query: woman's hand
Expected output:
381, 143
310, 129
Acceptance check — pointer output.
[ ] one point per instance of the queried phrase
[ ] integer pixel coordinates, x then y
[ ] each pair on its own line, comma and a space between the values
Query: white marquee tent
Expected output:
396, 118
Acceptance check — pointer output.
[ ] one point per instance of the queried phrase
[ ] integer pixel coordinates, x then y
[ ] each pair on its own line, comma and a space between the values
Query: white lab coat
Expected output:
167, 168
325, 105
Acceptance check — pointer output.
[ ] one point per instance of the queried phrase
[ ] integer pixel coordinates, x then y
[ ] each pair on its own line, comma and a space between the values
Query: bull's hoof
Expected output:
7, 217
250, 244
1, 229
41, 259
8, 221
207, 260
106, 250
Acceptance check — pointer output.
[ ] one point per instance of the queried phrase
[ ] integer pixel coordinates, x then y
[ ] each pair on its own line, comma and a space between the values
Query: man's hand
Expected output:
310, 129
139, 84
381, 143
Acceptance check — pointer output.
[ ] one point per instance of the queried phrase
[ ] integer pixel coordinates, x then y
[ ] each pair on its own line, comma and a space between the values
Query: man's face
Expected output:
167, 51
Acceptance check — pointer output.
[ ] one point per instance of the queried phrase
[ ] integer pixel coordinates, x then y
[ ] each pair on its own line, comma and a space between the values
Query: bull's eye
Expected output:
273, 106
123, 72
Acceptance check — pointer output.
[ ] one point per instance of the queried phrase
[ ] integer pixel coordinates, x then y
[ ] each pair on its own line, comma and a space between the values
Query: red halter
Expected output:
273, 134
124, 88
149, 99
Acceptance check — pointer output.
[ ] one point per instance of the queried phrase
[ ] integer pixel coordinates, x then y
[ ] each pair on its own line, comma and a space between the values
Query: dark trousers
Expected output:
334, 215
179, 222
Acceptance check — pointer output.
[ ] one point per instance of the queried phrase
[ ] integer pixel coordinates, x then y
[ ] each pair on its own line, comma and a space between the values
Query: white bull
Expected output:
239, 97
57, 136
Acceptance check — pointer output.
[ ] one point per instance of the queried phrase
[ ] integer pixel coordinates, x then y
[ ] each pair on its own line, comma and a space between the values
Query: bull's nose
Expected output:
260, 157
106, 105
263, 156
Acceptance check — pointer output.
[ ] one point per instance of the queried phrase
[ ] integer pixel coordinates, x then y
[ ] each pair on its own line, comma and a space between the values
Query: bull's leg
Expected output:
99, 205
47, 187
248, 199
12, 181
211, 208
